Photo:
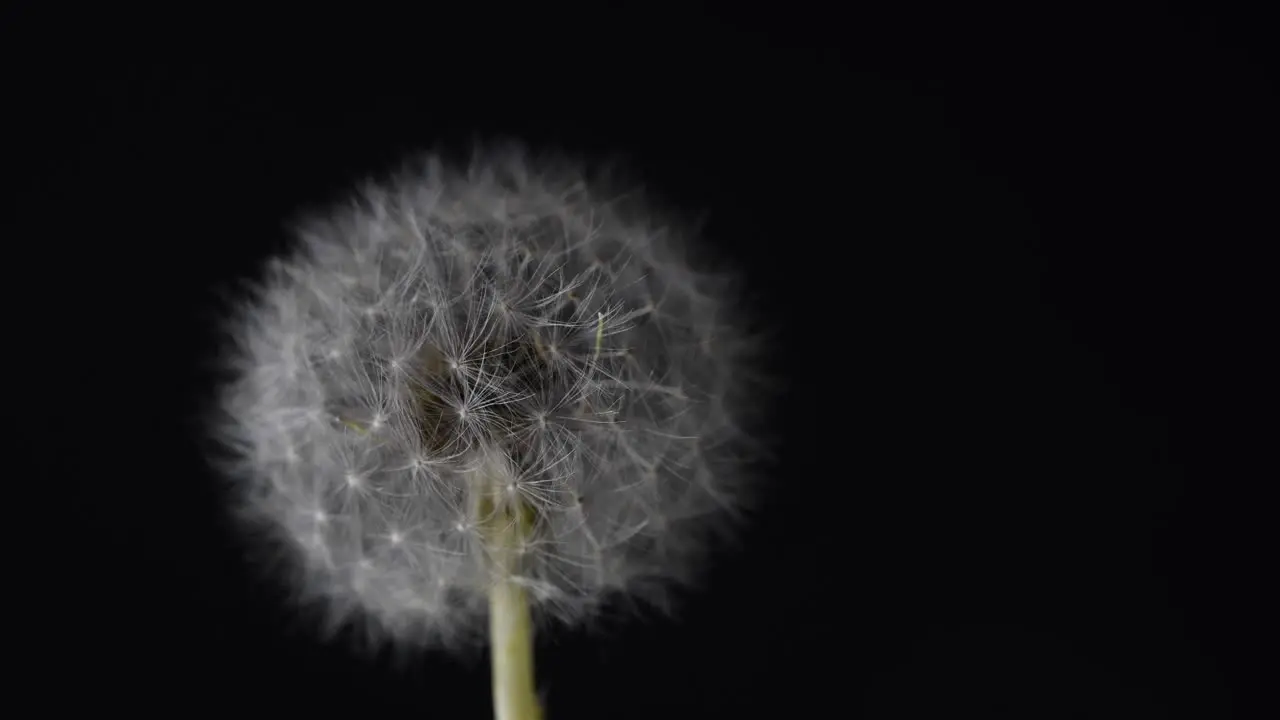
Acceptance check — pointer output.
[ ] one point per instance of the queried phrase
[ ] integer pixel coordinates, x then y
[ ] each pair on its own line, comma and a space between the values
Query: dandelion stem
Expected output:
514, 697
510, 622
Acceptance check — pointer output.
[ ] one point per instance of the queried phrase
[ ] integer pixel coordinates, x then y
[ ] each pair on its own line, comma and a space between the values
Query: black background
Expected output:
1016, 263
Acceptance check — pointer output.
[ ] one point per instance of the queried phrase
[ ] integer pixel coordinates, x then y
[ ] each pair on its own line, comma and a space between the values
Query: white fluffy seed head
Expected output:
497, 331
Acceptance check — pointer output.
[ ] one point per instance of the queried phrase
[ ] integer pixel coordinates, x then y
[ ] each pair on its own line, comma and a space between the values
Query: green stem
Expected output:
511, 633
510, 621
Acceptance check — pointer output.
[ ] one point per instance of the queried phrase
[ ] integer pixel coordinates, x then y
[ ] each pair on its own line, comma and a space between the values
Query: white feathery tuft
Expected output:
496, 321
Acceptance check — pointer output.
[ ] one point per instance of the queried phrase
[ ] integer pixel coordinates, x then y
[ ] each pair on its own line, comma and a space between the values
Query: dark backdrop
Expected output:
1015, 260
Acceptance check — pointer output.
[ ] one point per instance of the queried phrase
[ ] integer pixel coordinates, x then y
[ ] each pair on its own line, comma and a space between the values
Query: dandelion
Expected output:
487, 391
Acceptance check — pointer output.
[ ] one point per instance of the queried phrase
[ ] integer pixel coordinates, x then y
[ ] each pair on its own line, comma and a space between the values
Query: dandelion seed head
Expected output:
502, 320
